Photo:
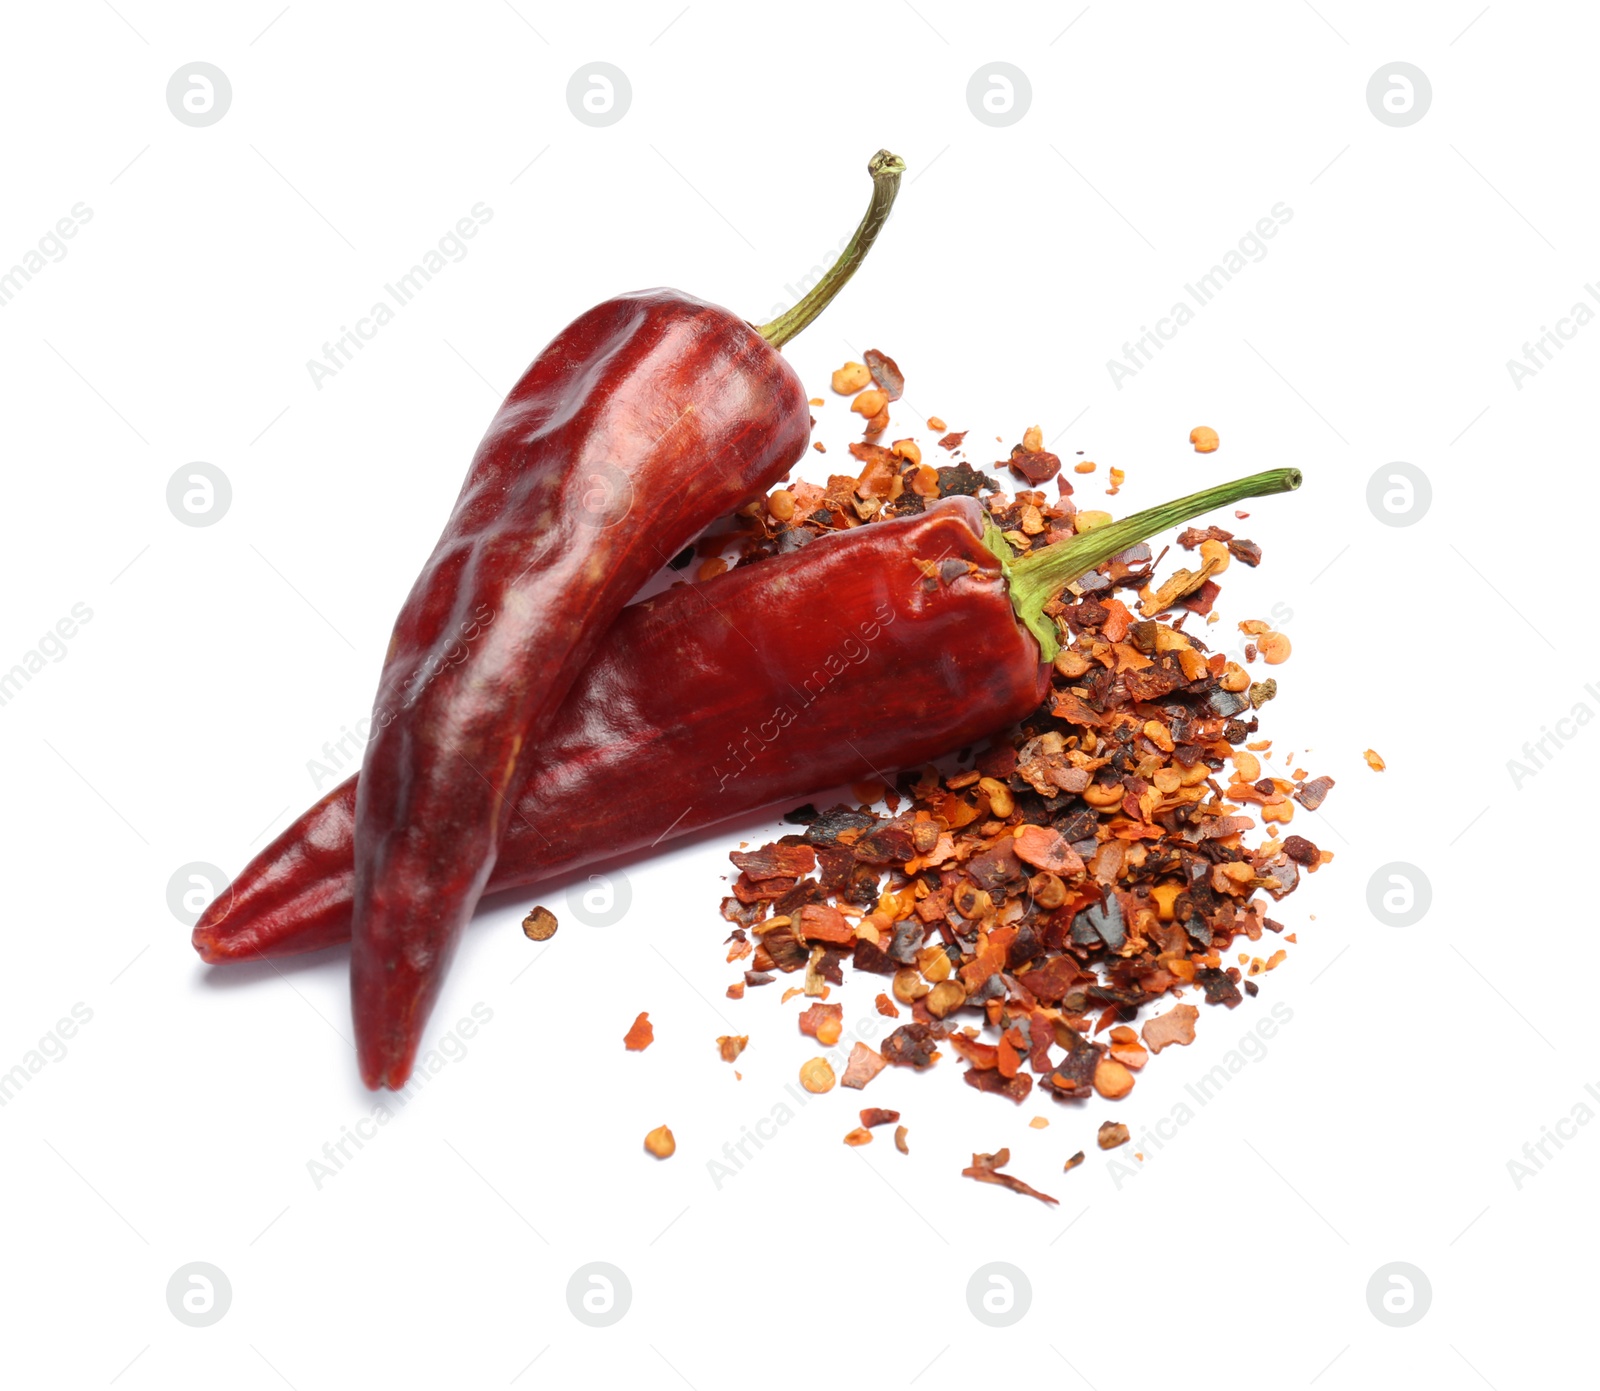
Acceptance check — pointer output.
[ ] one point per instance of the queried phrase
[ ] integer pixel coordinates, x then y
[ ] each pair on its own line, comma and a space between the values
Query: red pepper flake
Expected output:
820, 923
777, 861
1072, 1163
641, 1035
1112, 1134
886, 373
911, 1045
1311, 795
862, 1066
986, 1169
1046, 849
823, 1023
1036, 466
876, 1115
952, 441
729, 1046
993, 1080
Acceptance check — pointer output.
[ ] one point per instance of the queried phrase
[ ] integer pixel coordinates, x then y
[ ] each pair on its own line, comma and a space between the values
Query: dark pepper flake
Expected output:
1301, 850
911, 1045
1219, 987
1016, 1087
962, 480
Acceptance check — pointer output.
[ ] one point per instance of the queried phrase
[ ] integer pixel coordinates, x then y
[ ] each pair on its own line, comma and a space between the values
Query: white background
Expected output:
177, 728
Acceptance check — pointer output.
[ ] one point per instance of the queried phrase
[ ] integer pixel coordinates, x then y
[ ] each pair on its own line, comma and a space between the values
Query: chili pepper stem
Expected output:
1037, 578
886, 170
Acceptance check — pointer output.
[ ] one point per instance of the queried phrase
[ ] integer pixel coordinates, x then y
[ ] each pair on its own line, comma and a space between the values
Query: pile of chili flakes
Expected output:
1088, 864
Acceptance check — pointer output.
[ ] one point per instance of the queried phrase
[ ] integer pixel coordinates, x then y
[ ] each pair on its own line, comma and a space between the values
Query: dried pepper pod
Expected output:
643, 421
866, 651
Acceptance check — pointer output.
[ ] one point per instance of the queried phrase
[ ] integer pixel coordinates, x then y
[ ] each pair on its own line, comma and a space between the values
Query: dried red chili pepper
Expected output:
643, 421
641, 751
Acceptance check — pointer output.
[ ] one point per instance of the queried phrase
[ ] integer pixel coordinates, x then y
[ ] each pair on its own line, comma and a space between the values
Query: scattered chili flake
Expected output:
862, 1066
876, 1115
823, 1023
1301, 850
1374, 760
859, 1136
736, 990
1072, 1163
1112, 1134
1016, 1086
886, 373
539, 925
1175, 1026
641, 1035
1219, 986
731, 1045
911, 1045
661, 1143
952, 440
900, 1134
986, 1169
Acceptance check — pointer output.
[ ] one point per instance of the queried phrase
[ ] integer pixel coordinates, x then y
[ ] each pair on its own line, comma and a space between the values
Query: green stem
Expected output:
886, 170
1037, 578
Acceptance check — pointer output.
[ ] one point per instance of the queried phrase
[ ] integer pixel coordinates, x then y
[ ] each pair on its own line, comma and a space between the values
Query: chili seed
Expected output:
540, 925
660, 1143
817, 1076
870, 402
851, 378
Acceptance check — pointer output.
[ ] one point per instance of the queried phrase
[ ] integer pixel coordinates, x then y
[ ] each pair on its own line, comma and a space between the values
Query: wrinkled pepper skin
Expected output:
765, 685
643, 421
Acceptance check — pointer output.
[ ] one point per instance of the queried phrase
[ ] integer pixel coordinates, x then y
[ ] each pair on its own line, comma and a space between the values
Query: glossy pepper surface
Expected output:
643, 421
860, 654
775, 680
